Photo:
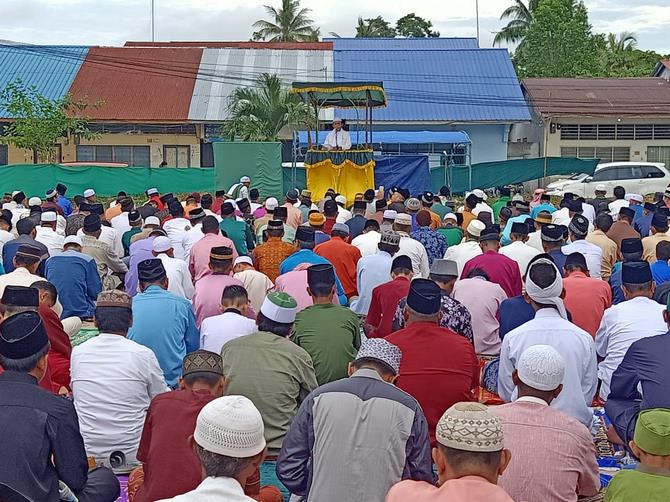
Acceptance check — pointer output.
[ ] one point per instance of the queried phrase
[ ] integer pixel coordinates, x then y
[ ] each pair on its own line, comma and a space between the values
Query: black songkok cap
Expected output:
519, 227
490, 233
219, 193
635, 272
221, 253
650, 206
175, 208
659, 221
304, 234
96, 208
401, 261
134, 217
227, 208
380, 204
292, 195
196, 213
575, 206
165, 198
628, 212
329, 207
369, 195
92, 223
424, 296
552, 233
280, 212
151, 270
631, 245
322, 275
275, 224
19, 197
20, 296
242, 204
360, 204
22, 335
28, 251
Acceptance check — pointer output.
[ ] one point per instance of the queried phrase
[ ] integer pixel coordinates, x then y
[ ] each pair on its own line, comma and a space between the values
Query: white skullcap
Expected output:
517, 198
231, 426
541, 367
243, 259
601, 188
48, 216
390, 214
475, 228
152, 191
72, 239
480, 194
280, 307
271, 203
34, 201
245, 179
337, 119
152, 220
634, 196
481, 208
161, 244
470, 427
450, 216
89, 192
341, 199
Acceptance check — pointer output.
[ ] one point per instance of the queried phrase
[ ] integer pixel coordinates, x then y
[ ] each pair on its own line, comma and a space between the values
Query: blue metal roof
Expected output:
403, 44
405, 137
459, 85
50, 68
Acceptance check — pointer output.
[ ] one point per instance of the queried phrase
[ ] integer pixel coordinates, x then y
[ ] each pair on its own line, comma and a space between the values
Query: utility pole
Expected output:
153, 30
477, 9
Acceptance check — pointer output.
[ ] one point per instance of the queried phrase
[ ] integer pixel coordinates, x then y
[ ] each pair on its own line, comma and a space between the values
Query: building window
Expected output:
659, 154
604, 153
611, 131
4, 155
177, 155
135, 156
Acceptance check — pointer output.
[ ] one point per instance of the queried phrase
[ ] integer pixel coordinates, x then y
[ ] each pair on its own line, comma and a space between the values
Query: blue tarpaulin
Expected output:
407, 171
413, 137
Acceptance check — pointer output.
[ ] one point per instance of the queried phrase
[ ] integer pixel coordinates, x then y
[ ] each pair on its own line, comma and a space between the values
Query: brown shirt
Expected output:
610, 249
268, 256
622, 230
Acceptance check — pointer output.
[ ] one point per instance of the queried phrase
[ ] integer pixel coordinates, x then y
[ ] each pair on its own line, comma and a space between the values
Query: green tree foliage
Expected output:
374, 27
414, 26
520, 16
289, 23
559, 42
259, 113
39, 122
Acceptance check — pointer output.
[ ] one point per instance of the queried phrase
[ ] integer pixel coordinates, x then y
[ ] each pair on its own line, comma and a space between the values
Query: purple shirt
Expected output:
501, 270
207, 296
140, 250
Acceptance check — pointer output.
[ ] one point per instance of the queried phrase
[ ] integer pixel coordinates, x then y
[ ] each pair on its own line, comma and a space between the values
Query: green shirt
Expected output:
125, 240
289, 233
240, 233
454, 235
331, 349
498, 205
440, 209
275, 374
644, 484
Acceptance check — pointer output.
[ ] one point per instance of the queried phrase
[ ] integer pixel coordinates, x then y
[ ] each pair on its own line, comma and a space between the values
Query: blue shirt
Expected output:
513, 313
309, 256
660, 271
506, 239
643, 225
559, 259
356, 225
435, 243
65, 205
542, 207
165, 323
75, 276
615, 284
11, 247
320, 237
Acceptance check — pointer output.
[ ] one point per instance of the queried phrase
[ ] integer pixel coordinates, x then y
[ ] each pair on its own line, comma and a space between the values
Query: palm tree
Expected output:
260, 112
521, 16
289, 23
625, 42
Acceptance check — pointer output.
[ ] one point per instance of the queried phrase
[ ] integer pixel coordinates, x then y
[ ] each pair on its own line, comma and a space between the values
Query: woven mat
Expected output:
123, 481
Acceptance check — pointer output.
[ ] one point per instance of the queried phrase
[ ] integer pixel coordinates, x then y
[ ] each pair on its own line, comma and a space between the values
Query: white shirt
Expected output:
18, 277
592, 253
622, 325
257, 285
120, 223
578, 351
179, 278
209, 212
561, 217
190, 239
214, 490
5, 236
367, 243
589, 213
215, 331
343, 215
521, 253
371, 271
615, 206
113, 381
535, 241
51, 239
19, 211
339, 139
175, 229
462, 253
416, 252
109, 236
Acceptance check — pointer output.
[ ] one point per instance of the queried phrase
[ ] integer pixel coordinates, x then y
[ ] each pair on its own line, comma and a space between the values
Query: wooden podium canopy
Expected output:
342, 94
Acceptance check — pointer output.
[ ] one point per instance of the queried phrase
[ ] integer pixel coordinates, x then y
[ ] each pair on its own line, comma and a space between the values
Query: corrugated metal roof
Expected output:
138, 84
290, 46
49, 68
223, 70
404, 44
633, 97
459, 85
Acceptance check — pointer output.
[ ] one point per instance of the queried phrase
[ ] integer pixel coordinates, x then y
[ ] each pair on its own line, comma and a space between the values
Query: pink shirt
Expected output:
465, 489
294, 215
199, 261
482, 299
553, 457
295, 284
586, 299
207, 296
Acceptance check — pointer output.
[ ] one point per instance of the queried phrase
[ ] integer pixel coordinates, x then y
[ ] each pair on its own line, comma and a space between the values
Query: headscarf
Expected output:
536, 197
551, 295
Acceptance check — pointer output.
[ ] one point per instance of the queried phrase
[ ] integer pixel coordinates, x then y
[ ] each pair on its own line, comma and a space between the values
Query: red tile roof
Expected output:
621, 97
302, 46
138, 84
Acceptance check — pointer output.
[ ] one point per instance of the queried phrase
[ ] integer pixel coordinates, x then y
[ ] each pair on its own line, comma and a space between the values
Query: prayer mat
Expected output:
87, 332
123, 481
487, 367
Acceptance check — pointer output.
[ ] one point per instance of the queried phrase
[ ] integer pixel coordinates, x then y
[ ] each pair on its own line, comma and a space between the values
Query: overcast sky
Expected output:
112, 22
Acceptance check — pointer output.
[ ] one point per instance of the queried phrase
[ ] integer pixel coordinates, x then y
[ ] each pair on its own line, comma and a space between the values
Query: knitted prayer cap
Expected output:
381, 350
113, 298
413, 204
541, 367
279, 307
202, 361
221, 253
230, 426
317, 219
470, 427
390, 238
579, 225
652, 431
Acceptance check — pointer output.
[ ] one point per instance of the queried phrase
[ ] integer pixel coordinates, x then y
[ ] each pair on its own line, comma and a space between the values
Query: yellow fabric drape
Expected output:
346, 178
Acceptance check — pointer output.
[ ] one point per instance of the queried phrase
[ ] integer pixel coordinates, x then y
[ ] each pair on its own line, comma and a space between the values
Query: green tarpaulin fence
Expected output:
260, 161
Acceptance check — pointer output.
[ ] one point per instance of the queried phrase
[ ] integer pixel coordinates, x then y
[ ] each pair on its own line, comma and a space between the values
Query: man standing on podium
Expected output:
338, 138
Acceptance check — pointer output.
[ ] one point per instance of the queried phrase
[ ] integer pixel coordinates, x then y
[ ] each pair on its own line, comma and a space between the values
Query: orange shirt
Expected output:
344, 258
467, 218
268, 256
112, 212
586, 299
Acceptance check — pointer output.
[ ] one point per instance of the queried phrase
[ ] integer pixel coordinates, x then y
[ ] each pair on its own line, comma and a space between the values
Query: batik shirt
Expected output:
434, 242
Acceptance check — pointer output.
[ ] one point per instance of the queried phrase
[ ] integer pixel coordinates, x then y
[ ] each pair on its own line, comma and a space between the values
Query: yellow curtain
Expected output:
347, 178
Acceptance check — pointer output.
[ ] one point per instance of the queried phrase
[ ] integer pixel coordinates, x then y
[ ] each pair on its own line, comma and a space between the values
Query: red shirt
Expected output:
61, 349
587, 299
438, 368
171, 466
501, 270
383, 305
344, 258
328, 225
